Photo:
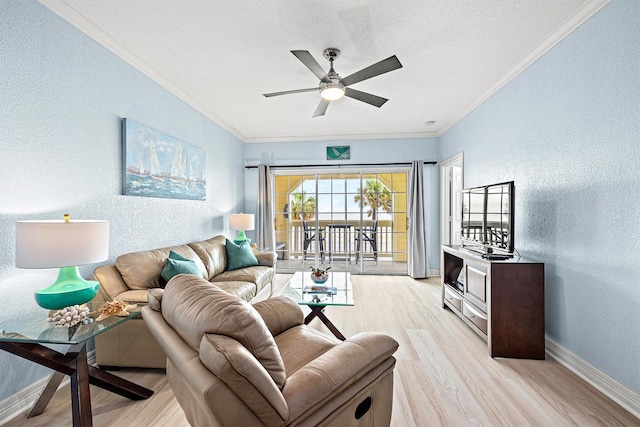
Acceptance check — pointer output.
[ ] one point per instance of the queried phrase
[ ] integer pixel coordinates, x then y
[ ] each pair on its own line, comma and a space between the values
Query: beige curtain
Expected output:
265, 233
418, 262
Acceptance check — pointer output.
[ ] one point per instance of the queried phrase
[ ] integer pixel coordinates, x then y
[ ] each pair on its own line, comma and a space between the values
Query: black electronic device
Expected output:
487, 225
495, 256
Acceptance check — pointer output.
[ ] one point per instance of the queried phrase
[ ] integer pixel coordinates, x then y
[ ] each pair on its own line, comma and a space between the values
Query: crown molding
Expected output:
343, 137
71, 15
578, 18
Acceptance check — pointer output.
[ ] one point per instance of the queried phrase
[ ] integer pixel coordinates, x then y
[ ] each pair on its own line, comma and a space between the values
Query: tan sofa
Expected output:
133, 274
231, 363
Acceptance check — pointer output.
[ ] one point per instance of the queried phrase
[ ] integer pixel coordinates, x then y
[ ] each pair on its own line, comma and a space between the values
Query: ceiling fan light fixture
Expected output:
332, 91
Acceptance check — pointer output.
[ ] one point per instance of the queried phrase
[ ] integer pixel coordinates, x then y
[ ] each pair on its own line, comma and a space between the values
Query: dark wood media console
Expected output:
501, 300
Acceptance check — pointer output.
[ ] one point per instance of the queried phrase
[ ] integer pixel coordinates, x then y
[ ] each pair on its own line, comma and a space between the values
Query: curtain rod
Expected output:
339, 165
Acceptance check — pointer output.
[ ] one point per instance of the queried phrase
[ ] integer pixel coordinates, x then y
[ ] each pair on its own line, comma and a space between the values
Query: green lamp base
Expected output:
241, 238
68, 289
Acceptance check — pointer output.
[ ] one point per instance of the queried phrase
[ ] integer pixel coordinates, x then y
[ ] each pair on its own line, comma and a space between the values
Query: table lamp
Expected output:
64, 244
241, 222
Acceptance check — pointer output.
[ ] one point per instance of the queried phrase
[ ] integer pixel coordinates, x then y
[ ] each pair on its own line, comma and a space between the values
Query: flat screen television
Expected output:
487, 219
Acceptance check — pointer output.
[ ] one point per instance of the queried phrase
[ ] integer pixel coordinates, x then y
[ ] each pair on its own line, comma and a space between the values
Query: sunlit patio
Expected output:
338, 245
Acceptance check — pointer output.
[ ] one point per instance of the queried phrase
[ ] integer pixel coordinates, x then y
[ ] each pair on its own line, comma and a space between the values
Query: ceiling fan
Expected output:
333, 87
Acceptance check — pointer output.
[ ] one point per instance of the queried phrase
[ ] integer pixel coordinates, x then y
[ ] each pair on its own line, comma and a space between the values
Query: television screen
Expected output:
499, 220
473, 214
487, 217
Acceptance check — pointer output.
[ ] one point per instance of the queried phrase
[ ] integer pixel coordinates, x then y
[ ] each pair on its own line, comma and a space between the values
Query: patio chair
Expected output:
367, 234
310, 236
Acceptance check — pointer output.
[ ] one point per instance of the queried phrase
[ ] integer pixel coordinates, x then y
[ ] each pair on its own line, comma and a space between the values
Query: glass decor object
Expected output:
240, 223
319, 275
62, 244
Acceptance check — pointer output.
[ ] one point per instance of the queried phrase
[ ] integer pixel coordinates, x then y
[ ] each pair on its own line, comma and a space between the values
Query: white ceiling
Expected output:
221, 56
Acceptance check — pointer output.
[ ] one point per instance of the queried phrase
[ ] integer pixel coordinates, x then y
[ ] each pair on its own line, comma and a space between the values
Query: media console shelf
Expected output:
500, 300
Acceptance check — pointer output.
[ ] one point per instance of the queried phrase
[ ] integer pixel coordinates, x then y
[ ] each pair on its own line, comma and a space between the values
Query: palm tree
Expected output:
376, 196
302, 207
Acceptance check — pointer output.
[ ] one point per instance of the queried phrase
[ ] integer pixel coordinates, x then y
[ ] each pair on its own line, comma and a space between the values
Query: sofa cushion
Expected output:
141, 270
241, 289
194, 307
177, 264
239, 256
213, 254
259, 275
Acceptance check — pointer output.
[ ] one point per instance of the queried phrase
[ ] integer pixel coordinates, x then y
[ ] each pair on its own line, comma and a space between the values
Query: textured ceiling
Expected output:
221, 56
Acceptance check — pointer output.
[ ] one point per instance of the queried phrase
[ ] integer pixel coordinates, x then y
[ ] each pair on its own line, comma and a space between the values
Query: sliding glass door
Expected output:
349, 221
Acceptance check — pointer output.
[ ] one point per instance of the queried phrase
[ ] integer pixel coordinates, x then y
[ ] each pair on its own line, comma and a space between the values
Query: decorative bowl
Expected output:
320, 279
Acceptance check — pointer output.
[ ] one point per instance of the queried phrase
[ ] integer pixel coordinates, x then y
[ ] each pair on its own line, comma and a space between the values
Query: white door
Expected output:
451, 183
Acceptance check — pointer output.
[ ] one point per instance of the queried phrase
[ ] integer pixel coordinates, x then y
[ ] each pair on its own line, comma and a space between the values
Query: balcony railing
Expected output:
339, 239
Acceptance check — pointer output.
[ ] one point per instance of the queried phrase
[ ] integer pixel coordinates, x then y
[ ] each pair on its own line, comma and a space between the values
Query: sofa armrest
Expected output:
154, 298
335, 370
279, 314
111, 283
266, 258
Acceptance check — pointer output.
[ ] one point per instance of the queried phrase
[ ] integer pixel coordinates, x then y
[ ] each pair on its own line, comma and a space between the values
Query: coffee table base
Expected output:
317, 311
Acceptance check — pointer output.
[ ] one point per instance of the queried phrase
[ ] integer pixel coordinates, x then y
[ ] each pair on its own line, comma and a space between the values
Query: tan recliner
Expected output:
231, 363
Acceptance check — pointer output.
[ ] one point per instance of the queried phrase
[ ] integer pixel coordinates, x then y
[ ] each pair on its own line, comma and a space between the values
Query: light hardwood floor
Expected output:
443, 375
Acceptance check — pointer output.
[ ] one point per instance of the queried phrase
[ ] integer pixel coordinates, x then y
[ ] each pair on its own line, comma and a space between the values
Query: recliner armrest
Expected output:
335, 370
279, 314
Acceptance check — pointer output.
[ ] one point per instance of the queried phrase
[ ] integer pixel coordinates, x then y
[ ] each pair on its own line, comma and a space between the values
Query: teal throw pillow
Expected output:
176, 255
239, 256
178, 264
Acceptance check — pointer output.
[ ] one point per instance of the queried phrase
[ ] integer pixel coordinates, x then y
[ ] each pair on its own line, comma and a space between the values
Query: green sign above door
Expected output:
339, 153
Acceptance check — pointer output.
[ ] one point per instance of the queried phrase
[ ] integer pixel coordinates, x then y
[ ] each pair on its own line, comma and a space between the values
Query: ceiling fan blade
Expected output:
374, 100
322, 108
384, 66
287, 92
309, 62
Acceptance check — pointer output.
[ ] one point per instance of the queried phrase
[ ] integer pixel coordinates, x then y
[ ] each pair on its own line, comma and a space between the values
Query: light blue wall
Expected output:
62, 97
362, 151
567, 131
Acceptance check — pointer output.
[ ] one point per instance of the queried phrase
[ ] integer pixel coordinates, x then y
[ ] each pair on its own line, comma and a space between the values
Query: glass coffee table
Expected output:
25, 337
336, 291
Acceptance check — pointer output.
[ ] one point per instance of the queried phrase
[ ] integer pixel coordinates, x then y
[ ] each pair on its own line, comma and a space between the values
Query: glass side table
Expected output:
304, 291
25, 337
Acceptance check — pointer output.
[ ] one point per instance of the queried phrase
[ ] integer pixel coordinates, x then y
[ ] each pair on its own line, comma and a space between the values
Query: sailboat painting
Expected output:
158, 165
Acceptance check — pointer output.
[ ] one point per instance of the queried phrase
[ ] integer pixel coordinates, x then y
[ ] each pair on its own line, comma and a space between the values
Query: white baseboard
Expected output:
22, 401
17, 404
613, 389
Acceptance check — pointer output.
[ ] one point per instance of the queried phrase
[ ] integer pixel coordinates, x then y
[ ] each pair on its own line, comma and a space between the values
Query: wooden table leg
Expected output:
80, 394
74, 364
118, 385
316, 311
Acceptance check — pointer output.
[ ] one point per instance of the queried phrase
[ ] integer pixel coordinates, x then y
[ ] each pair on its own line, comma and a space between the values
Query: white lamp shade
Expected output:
241, 221
51, 244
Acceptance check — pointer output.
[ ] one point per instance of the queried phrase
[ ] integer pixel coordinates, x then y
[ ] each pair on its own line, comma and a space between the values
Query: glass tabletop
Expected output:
336, 290
34, 327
